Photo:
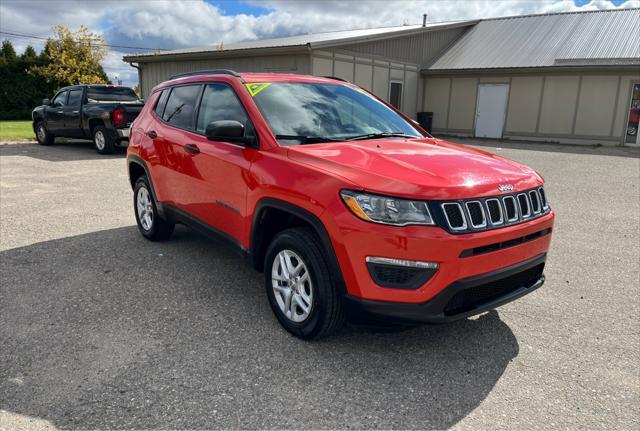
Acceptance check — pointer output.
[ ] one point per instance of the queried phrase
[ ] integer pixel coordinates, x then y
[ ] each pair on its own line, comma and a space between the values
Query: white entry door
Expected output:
491, 110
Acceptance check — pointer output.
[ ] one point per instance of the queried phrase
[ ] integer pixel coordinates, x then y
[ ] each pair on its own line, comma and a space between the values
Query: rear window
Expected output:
111, 94
162, 102
181, 106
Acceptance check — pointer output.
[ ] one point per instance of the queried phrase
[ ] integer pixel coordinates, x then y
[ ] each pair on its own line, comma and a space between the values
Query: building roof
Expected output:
316, 40
594, 38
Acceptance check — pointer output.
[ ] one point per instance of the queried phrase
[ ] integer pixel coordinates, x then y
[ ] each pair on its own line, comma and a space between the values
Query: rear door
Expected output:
173, 129
55, 113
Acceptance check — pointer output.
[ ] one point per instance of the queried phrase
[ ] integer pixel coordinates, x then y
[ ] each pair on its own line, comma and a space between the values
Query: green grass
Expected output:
16, 131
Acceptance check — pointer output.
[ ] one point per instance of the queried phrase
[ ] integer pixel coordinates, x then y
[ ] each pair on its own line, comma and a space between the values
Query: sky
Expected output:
146, 25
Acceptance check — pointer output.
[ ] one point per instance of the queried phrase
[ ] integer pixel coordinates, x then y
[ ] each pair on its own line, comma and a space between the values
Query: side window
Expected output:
219, 102
75, 96
181, 105
395, 94
162, 102
60, 99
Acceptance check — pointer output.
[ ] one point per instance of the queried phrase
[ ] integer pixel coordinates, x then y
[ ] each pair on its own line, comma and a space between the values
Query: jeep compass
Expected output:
347, 205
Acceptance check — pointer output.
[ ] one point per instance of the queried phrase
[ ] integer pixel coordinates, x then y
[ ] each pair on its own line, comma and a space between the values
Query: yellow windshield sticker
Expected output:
256, 87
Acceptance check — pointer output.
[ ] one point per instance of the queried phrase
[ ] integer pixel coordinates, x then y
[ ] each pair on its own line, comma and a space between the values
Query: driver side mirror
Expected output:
229, 131
46, 102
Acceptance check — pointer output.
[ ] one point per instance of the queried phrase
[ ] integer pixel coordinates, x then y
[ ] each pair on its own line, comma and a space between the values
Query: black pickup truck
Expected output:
103, 113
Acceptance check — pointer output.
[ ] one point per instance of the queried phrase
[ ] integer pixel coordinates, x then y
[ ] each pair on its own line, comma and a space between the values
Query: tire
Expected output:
324, 314
150, 224
42, 135
103, 141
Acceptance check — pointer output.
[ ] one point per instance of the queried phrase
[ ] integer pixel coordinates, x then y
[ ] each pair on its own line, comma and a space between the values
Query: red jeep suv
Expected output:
345, 204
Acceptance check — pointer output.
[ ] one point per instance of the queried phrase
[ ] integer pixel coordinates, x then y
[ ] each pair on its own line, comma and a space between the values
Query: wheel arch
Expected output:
272, 216
136, 167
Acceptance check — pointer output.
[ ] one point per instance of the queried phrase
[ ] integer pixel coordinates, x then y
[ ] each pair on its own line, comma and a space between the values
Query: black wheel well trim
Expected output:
136, 160
309, 218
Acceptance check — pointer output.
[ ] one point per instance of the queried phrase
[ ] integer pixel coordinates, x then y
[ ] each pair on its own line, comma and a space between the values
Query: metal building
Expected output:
563, 77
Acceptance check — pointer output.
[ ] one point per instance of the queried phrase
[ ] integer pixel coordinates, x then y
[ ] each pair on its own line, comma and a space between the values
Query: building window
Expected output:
395, 94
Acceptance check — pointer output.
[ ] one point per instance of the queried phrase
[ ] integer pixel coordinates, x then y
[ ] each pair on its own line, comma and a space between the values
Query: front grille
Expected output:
504, 244
535, 201
454, 215
495, 211
491, 212
523, 204
476, 296
476, 214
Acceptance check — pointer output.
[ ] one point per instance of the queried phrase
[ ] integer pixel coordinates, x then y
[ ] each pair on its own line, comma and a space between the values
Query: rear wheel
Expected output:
299, 288
103, 141
42, 135
150, 224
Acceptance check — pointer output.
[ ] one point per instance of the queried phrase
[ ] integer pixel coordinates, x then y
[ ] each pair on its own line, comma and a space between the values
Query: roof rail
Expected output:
336, 78
207, 72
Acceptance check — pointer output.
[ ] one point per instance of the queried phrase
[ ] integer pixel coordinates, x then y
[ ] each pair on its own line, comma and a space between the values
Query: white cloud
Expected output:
177, 24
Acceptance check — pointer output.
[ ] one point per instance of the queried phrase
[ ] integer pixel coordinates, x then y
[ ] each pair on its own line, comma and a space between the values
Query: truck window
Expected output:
75, 97
180, 106
111, 94
60, 99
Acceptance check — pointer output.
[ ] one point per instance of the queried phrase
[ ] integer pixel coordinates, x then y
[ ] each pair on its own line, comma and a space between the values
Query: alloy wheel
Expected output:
292, 285
145, 208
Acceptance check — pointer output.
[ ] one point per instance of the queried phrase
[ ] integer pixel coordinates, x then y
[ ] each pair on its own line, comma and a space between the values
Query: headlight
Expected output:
386, 210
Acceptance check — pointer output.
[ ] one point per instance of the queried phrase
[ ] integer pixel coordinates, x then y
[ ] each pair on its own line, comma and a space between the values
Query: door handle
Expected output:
152, 134
191, 148
75, 112
60, 112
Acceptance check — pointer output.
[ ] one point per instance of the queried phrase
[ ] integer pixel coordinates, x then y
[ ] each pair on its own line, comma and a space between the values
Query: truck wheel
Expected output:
150, 224
299, 287
103, 142
42, 135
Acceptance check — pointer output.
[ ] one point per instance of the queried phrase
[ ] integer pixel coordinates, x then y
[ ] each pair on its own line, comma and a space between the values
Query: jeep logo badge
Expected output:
506, 187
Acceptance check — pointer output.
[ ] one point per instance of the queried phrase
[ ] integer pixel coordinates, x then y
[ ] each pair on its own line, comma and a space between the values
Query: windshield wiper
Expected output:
307, 139
379, 136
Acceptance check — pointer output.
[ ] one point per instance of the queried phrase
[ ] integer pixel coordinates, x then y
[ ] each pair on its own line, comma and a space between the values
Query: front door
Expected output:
55, 113
631, 132
491, 110
219, 193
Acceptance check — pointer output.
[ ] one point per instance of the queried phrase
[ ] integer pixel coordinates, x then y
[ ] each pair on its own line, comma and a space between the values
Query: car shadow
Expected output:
108, 330
60, 151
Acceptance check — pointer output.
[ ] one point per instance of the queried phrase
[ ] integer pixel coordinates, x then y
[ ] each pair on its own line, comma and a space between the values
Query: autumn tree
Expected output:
73, 58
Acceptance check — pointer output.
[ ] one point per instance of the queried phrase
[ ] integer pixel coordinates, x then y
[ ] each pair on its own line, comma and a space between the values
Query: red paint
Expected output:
311, 177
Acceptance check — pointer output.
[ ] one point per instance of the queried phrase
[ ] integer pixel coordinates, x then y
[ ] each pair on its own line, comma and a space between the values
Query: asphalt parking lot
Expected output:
102, 329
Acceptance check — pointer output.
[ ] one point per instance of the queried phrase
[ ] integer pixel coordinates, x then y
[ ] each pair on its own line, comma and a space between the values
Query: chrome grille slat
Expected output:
456, 207
478, 214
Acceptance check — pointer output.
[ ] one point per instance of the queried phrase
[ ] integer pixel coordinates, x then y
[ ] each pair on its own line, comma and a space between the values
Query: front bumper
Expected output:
460, 299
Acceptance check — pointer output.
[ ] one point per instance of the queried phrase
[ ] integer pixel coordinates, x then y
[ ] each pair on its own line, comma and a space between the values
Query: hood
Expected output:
423, 168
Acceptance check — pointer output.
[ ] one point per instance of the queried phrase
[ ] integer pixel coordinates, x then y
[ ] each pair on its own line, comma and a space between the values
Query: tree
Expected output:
74, 58
29, 54
7, 53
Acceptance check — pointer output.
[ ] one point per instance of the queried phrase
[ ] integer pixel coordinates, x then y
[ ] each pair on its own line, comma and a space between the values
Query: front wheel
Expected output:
299, 287
150, 224
42, 135
103, 141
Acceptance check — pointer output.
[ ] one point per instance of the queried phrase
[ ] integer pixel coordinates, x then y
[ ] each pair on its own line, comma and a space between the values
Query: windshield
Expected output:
111, 94
299, 113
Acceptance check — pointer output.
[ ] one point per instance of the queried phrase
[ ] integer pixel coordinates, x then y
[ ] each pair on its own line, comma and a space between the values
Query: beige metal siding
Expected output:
462, 106
364, 75
410, 102
154, 73
420, 48
558, 104
596, 105
575, 108
436, 100
343, 70
524, 100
